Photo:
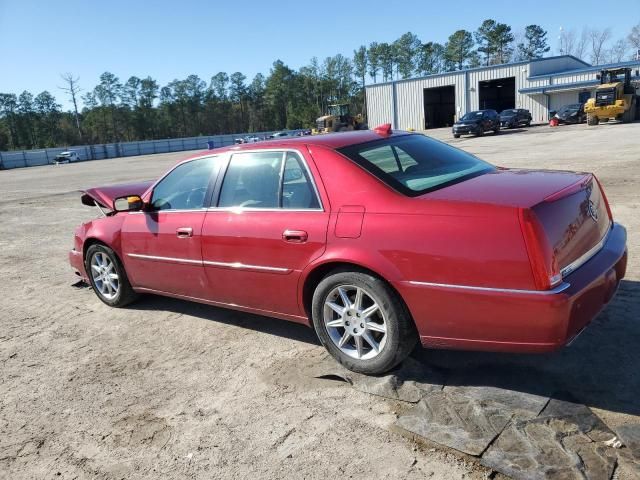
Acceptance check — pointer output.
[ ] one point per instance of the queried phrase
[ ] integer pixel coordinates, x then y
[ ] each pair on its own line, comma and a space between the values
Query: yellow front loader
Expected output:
615, 98
339, 119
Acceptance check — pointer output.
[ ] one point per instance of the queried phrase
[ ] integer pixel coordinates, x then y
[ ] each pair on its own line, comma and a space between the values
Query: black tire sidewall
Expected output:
400, 329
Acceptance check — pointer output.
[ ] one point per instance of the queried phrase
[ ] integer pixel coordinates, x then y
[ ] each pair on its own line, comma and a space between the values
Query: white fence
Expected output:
30, 158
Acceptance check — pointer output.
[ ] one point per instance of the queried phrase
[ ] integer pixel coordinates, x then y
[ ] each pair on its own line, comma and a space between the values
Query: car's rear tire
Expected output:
592, 119
108, 277
362, 322
456, 135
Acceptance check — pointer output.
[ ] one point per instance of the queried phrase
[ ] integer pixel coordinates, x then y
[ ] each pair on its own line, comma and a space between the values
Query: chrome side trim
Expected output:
253, 209
242, 266
560, 288
576, 264
234, 265
165, 259
172, 210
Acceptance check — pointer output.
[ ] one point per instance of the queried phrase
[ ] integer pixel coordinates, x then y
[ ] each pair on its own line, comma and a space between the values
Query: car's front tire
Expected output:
108, 277
362, 322
456, 135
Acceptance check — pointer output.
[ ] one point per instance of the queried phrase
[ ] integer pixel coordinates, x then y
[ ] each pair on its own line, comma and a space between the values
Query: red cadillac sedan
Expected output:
377, 239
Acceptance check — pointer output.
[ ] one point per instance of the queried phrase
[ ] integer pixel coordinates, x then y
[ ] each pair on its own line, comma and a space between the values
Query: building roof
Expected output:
486, 67
590, 68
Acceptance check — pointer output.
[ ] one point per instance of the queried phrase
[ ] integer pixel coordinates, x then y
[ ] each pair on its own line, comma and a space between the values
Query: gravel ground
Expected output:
171, 389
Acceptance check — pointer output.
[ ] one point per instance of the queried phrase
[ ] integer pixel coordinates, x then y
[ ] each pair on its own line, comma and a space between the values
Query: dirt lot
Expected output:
169, 389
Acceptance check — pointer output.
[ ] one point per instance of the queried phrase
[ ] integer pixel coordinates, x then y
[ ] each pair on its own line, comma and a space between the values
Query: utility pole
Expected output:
73, 90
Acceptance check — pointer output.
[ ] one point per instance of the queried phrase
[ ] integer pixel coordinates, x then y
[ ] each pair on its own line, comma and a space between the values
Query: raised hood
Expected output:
104, 196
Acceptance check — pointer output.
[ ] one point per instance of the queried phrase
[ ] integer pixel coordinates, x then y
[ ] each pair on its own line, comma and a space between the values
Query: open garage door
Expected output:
497, 94
439, 106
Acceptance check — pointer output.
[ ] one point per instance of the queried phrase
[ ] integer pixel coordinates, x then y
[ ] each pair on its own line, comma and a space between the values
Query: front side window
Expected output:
185, 187
416, 164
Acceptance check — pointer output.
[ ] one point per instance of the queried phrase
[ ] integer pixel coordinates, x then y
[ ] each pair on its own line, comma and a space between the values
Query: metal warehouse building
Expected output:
437, 100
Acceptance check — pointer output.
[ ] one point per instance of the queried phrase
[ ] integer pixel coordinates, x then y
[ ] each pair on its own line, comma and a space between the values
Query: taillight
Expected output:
604, 198
544, 266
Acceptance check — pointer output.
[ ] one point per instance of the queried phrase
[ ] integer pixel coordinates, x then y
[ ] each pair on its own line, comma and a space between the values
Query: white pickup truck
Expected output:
67, 156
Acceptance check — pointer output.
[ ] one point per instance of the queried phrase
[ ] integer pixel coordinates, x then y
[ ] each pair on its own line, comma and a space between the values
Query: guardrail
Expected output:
32, 158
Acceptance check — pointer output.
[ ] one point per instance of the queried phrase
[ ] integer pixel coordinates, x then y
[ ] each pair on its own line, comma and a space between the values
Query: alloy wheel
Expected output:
104, 275
355, 322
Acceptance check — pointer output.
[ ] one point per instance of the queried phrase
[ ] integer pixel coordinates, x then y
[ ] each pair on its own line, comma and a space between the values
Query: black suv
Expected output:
515, 117
476, 123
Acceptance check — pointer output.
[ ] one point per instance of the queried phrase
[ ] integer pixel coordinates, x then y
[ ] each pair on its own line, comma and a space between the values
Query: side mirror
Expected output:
292, 174
128, 203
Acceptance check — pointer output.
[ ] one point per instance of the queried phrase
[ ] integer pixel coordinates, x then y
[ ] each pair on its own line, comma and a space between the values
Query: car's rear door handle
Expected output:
295, 236
184, 232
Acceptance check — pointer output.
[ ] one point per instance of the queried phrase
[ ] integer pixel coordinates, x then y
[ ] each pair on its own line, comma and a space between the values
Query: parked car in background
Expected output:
476, 123
246, 139
377, 239
515, 117
573, 113
280, 135
67, 156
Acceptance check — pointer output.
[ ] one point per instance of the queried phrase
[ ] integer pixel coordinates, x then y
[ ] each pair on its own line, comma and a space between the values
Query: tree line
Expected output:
142, 109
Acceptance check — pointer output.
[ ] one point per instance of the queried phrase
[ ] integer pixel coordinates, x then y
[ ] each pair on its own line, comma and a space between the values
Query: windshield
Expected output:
507, 113
472, 116
416, 164
570, 108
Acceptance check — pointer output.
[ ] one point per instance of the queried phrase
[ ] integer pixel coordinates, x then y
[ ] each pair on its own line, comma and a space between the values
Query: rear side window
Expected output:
252, 180
297, 189
416, 164
268, 180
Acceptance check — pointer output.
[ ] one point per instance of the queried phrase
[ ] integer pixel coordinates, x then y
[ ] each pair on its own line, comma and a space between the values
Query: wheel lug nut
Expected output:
355, 330
358, 315
347, 323
362, 325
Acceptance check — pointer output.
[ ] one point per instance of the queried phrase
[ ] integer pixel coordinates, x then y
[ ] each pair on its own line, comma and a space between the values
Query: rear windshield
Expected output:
509, 112
416, 164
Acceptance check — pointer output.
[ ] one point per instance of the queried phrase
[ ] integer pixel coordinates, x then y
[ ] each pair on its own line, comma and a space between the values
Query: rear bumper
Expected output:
471, 318
77, 263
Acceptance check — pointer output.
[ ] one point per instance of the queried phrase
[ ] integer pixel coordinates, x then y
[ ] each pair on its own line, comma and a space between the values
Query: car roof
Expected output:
329, 140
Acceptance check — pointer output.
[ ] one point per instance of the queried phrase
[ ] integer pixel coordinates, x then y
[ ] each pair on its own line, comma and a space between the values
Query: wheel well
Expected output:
316, 276
88, 242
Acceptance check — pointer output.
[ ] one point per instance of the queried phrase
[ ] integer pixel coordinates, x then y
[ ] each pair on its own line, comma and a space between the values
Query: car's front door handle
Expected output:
184, 232
295, 236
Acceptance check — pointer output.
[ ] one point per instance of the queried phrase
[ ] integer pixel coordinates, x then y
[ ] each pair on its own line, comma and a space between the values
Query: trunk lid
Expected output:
570, 207
104, 196
575, 221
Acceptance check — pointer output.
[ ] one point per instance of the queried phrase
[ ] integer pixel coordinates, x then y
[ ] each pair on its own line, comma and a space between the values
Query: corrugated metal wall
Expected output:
535, 104
559, 99
379, 104
410, 98
31, 158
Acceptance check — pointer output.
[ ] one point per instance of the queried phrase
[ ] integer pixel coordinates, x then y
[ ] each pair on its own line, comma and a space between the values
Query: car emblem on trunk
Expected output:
593, 213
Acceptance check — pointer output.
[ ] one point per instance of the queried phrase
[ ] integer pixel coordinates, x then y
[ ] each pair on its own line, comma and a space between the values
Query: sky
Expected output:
40, 40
